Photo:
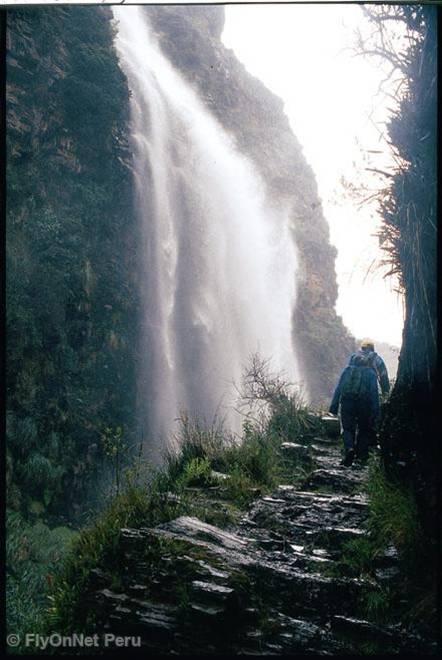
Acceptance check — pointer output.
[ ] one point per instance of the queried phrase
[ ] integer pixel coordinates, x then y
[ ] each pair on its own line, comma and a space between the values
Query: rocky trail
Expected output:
263, 586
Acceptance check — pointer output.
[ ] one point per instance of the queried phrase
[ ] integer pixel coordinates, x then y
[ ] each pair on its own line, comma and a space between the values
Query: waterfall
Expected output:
219, 267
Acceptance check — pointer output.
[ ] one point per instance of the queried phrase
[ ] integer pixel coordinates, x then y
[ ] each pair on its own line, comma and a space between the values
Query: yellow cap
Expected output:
367, 343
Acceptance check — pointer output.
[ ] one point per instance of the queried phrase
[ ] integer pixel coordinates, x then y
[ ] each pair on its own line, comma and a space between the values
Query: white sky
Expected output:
298, 51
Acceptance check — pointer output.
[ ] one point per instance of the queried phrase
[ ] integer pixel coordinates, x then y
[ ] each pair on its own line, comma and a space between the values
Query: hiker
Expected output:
375, 361
357, 392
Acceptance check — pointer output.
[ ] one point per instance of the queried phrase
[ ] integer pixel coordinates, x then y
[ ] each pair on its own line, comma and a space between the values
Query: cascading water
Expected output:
219, 258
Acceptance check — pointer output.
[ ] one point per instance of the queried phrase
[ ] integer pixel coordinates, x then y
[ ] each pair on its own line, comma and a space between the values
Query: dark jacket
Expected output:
371, 387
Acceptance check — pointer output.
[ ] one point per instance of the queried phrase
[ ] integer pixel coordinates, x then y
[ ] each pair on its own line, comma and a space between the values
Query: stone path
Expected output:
264, 587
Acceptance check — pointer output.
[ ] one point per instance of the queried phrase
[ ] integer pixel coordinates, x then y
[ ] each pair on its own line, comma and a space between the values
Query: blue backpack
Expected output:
363, 359
355, 383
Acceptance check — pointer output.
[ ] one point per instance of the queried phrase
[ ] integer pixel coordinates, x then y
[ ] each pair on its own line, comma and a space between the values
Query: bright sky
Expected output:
299, 52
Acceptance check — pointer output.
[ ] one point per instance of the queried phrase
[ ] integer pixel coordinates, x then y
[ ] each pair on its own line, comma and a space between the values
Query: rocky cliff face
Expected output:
71, 253
191, 37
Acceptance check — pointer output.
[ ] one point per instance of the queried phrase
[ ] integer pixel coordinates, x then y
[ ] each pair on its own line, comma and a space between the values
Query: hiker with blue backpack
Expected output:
358, 394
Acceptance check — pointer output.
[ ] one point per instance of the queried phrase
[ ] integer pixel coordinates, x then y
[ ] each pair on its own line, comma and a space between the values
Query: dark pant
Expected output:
359, 426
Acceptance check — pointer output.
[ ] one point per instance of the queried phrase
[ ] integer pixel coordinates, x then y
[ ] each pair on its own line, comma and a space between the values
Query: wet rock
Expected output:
323, 448
126, 610
300, 517
339, 479
211, 588
332, 426
387, 574
187, 527
209, 570
325, 441
297, 451
265, 586
328, 461
389, 557
218, 476
172, 497
390, 639
207, 610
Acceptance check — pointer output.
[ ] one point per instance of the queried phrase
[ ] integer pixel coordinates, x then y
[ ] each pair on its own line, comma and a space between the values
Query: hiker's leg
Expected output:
348, 420
365, 433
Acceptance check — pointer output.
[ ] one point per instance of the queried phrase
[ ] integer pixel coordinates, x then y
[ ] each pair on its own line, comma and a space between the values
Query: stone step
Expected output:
291, 493
327, 462
324, 448
291, 636
339, 479
328, 538
388, 639
299, 516
297, 451
325, 441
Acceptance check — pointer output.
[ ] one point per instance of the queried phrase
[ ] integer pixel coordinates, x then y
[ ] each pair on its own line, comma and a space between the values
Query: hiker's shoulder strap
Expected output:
382, 373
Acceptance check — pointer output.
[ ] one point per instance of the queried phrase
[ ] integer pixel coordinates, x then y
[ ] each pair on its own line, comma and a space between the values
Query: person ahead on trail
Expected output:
375, 361
358, 394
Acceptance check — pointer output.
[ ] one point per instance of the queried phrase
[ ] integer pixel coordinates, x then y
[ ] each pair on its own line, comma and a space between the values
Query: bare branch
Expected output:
374, 169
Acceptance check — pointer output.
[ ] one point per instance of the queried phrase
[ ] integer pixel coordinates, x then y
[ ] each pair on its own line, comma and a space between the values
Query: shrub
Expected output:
205, 449
194, 441
281, 404
393, 512
240, 488
358, 556
394, 520
197, 472
275, 412
33, 553
376, 604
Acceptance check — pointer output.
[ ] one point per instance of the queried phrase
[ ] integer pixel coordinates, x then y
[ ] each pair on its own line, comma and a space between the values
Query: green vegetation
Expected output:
212, 476
33, 554
395, 520
97, 547
393, 527
404, 494
393, 513
243, 468
71, 292
408, 204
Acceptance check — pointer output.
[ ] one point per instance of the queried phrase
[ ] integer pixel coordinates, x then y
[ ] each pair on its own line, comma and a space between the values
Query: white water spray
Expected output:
219, 258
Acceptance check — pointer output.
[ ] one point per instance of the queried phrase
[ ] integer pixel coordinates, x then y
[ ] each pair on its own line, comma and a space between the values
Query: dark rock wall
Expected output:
71, 253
